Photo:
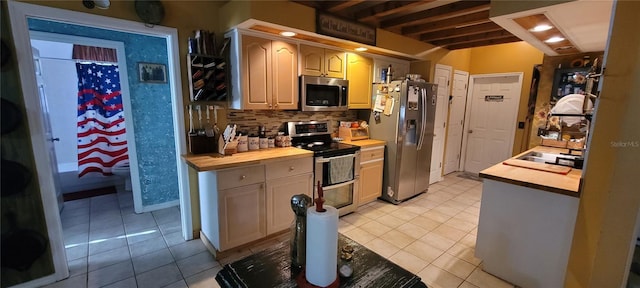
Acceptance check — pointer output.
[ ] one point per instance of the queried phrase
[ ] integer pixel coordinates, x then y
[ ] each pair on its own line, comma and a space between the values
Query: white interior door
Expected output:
492, 113
456, 121
441, 77
46, 124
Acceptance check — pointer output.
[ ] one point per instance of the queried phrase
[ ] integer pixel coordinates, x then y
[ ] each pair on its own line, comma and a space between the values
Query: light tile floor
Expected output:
432, 235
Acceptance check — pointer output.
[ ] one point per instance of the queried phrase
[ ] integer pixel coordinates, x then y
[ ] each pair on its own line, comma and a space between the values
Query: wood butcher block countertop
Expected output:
365, 143
214, 161
568, 184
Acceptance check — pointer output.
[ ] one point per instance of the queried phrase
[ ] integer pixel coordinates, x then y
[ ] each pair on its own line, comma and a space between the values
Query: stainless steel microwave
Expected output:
323, 93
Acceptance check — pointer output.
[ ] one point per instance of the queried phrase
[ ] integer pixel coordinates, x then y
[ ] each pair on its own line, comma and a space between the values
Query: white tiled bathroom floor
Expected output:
432, 235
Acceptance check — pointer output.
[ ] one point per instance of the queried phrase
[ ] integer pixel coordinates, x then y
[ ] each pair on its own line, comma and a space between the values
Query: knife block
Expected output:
199, 144
227, 148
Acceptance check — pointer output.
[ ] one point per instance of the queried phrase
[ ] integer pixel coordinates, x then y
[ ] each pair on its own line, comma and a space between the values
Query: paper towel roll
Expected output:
322, 246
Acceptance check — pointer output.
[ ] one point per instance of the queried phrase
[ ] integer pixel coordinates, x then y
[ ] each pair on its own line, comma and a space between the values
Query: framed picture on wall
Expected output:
152, 72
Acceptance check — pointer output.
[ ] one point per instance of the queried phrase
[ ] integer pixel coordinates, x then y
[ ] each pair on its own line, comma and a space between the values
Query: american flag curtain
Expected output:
102, 140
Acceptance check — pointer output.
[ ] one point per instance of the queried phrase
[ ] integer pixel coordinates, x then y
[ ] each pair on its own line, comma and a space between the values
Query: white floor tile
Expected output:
454, 265
126, 283
174, 238
108, 258
398, 238
436, 277
79, 281
78, 266
424, 251
197, 263
408, 261
204, 279
438, 241
382, 247
147, 246
187, 249
110, 274
152, 260
485, 280
375, 228
159, 277
178, 284
105, 244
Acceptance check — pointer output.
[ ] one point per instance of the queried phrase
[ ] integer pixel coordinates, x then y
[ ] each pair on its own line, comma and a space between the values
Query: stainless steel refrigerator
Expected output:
403, 116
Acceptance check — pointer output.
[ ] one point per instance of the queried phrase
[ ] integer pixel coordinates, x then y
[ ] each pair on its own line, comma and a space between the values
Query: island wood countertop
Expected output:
568, 184
214, 161
365, 143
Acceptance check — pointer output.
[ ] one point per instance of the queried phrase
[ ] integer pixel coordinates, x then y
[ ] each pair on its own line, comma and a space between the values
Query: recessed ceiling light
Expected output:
287, 33
540, 28
361, 49
554, 39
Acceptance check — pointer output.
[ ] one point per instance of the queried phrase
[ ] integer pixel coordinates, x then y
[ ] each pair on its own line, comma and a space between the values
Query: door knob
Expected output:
54, 139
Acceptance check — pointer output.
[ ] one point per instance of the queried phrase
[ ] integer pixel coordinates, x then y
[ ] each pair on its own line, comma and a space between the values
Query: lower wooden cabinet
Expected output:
279, 193
371, 166
243, 204
241, 215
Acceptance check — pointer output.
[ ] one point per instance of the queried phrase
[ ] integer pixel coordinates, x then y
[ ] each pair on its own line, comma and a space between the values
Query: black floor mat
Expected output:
89, 193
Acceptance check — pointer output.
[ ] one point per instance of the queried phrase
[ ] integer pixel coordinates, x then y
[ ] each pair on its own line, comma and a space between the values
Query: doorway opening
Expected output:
79, 168
20, 15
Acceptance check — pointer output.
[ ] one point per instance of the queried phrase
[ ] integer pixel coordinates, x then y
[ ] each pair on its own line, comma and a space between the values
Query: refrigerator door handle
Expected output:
423, 114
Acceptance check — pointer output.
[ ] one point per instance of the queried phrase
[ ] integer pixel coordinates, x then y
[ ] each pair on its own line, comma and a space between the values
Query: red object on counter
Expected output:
320, 200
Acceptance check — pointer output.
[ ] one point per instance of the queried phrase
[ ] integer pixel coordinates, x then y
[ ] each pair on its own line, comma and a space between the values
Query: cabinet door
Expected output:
285, 75
242, 215
256, 73
360, 76
370, 181
279, 193
334, 63
312, 60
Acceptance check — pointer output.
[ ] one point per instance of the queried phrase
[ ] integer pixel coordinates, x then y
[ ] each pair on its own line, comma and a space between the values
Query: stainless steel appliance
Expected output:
335, 164
406, 124
323, 93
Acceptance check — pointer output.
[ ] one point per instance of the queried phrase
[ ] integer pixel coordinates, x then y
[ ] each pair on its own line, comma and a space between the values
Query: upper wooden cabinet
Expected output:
267, 73
360, 76
316, 61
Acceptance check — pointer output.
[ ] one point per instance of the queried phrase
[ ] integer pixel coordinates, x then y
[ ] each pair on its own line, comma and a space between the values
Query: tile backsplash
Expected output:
249, 120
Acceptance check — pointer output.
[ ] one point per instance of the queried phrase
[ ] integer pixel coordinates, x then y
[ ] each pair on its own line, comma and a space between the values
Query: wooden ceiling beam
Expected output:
483, 43
466, 20
472, 38
387, 8
336, 6
455, 9
458, 32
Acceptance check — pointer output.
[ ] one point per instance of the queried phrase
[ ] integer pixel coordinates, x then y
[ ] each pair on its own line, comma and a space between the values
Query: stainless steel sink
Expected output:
550, 158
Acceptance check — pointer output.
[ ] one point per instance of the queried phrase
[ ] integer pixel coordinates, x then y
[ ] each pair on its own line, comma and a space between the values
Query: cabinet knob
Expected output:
243, 177
291, 168
270, 106
373, 154
276, 106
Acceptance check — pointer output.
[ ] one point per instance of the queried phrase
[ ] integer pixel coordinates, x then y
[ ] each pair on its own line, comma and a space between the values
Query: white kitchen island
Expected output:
526, 223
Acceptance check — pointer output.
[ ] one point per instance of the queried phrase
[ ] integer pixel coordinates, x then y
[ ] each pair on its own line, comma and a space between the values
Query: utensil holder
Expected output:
199, 144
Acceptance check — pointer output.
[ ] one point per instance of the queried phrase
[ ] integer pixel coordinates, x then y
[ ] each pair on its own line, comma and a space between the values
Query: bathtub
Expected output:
69, 181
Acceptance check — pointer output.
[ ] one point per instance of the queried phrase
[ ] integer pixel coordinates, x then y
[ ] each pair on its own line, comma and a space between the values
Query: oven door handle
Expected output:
340, 185
324, 160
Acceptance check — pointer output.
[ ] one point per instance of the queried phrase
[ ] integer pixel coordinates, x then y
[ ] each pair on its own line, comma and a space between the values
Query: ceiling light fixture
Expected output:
554, 39
361, 49
287, 33
541, 27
